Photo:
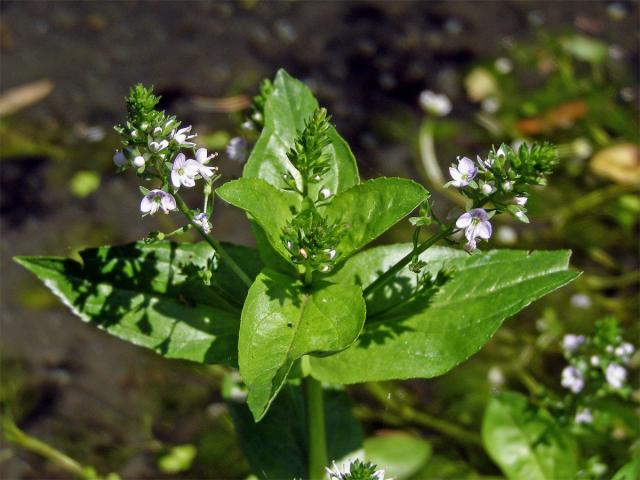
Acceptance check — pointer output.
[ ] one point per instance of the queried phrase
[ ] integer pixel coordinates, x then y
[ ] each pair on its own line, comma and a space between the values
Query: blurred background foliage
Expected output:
514, 70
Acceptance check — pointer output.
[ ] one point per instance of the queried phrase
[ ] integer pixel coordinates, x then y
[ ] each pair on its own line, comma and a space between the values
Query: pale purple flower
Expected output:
184, 171
182, 136
434, 103
571, 343
464, 173
572, 379
157, 199
119, 159
202, 221
616, 375
237, 149
158, 146
584, 416
476, 225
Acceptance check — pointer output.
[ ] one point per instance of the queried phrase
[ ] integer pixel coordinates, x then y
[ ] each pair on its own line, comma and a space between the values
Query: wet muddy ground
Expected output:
366, 61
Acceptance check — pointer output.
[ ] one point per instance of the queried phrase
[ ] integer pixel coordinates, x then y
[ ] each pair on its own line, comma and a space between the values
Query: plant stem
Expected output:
224, 256
411, 415
314, 409
13, 434
404, 261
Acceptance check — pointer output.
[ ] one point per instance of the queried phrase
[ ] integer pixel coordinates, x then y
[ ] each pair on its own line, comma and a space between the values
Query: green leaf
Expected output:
282, 321
400, 455
630, 471
370, 208
269, 207
286, 109
423, 336
154, 295
525, 441
276, 447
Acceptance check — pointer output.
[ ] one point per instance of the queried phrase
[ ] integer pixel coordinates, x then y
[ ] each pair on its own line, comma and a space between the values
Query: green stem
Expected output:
411, 415
315, 428
404, 261
224, 256
13, 434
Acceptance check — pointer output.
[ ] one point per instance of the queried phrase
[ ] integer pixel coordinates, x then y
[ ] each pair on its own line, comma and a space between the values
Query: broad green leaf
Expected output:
525, 441
370, 208
286, 110
276, 447
282, 321
425, 336
269, 207
400, 455
154, 295
630, 471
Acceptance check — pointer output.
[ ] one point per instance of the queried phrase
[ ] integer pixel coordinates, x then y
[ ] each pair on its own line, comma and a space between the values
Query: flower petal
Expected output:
484, 230
464, 220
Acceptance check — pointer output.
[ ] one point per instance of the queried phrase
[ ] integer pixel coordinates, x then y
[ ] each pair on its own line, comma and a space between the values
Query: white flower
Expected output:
503, 65
507, 186
182, 136
119, 159
580, 300
495, 377
522, 201
476, 224
139, 161
434, 103
624, 351
202, 221
157, 199
184, 171
490, 105
331, 254
158, 146
464, 173
572, 379
501, 152
202, 159
595, 360
616, 375
584, 416
571, 343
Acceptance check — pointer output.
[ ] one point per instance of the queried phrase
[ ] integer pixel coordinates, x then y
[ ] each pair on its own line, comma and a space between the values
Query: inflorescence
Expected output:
502, 179
159, 148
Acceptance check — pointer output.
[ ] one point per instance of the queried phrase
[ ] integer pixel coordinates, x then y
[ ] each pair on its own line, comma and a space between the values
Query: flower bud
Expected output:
138, 161
324, 193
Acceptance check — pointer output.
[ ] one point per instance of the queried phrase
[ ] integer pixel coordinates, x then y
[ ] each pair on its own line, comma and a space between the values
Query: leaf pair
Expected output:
283, 320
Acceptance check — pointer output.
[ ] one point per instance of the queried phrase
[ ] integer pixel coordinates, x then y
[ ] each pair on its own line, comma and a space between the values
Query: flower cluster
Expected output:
597, 365
501, 179
312, 241
159, 148
309, 237
356, 470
